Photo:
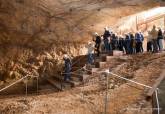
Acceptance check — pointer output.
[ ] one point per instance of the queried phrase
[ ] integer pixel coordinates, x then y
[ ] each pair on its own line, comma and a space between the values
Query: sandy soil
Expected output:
123, 97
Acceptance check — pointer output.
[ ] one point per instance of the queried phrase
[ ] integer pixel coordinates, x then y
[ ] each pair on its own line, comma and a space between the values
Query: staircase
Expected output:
81, 76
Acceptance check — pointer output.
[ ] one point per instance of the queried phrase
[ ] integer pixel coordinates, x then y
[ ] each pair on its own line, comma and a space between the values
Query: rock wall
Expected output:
19, 61
33, 29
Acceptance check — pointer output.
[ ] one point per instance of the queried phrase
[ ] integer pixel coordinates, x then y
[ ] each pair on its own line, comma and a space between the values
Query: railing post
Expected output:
157, 101
106, 95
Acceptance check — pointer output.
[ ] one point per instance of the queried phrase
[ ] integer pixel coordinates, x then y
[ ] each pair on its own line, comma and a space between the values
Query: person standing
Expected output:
106, 37
149, 42
139, 40
160, 39
102, 44
121, 43
114, 41
90, 48
97, 43
133, 44
67, 68
154, 34
128, 43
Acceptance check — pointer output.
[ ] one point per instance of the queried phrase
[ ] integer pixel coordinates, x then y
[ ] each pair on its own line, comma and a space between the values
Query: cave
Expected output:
37, 36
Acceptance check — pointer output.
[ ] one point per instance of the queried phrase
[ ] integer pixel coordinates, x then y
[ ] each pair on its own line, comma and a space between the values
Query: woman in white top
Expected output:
90, 48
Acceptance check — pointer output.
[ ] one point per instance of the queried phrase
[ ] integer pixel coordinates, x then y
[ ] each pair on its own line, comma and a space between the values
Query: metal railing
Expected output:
18, 81
107, 74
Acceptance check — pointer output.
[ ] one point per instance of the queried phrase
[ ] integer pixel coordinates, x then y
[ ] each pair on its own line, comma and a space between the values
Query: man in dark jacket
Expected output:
160, 39
67, 68
97, 43
121, 43
133, 44
141, 44
106, 38
139, 39
114, 42
128, 43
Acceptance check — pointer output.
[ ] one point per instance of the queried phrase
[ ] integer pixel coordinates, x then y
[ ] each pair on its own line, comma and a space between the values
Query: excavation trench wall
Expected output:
17, 61
36, 33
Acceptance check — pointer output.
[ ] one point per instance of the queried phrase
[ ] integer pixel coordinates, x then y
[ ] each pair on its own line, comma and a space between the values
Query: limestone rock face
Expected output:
45, 21
28, 28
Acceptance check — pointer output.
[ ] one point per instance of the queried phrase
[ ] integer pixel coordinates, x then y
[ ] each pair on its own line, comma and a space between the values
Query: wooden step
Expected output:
85, 77
103, 55
75, 68
109, 58
79, 64
97, 64
74, 83
108, 53
117, 53
97, 60
93, 66
101, 58
102, 64
75, 80
94, 71
55, 83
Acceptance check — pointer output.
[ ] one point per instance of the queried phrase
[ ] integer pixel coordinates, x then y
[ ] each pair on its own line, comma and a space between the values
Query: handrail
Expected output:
157, 82
157, 100
16, 82
78, 60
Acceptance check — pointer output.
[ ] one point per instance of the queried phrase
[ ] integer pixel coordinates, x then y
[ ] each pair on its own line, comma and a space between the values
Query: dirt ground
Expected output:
123, 97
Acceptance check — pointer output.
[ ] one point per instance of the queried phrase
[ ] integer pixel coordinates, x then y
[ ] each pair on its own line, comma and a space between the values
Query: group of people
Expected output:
129, 43
109, 41
155, 40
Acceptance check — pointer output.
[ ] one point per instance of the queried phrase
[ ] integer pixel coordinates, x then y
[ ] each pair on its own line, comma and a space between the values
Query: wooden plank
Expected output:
85, 77
109, 58
55, 83
117, 53
73, 83
155, 86
102, 64
75, 80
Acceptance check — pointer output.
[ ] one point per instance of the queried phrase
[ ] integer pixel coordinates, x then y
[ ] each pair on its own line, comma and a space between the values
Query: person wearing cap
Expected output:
149, 42
128, 43
141, 43
133, 44
121, 43
106, 38
102, 44
139, 39
154, 34
67, 68
114, 41
160, 39
97, 43
90, 48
